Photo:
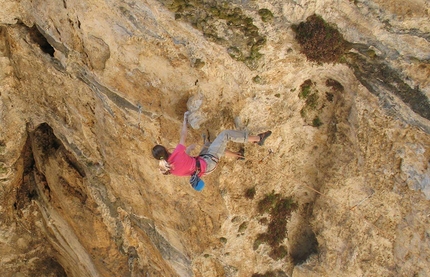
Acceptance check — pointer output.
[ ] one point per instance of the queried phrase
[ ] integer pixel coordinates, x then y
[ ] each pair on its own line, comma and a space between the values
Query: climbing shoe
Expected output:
263, 137
242, 153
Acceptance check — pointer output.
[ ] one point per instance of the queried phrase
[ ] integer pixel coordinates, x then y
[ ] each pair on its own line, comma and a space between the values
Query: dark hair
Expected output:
160, 152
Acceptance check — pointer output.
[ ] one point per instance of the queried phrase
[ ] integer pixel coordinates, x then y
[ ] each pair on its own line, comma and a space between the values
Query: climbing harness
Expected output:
207, 157
195, 180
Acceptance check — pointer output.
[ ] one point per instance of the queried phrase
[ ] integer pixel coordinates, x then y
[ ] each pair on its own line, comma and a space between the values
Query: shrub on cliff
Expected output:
320, 41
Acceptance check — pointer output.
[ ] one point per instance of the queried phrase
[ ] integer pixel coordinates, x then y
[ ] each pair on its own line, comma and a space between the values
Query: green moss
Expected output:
280, 213
305, 92
371, 53
312, 101
255, 55
309, 111
305, 89
257, 79
225, 24
261, 238
267, 203
243, 227
257, 46
235, 53
266, 15
3, 169
214, 11
198, 63
251, 63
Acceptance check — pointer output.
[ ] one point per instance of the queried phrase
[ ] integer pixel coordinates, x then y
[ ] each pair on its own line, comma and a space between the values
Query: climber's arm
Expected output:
184, 129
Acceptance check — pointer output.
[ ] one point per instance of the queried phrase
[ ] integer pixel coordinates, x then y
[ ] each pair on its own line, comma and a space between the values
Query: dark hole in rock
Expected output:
45, 139
27, 189
305, 245
37, 37
48, 266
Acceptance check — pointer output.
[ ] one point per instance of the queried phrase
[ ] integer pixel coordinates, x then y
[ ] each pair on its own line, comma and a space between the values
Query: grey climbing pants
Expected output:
217, 147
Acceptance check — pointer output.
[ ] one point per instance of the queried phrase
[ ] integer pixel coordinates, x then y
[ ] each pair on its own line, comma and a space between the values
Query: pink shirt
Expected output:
182, 164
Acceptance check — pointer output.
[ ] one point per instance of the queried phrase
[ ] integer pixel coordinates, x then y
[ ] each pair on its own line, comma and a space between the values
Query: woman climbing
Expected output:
180, 163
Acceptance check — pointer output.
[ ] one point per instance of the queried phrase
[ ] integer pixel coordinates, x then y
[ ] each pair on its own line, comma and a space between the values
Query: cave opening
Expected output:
38, 38
304, 246
46, 261
27, 189
304, 243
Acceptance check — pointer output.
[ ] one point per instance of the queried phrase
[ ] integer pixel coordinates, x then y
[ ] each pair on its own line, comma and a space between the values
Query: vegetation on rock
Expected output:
320, 41
279, 210
225, 24
266, 15
309, 112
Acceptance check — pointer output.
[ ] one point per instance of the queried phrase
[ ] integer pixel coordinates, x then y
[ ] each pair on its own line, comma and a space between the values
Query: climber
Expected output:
180, 163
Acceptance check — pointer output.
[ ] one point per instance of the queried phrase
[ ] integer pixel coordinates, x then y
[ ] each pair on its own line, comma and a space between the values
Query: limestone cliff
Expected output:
88, 87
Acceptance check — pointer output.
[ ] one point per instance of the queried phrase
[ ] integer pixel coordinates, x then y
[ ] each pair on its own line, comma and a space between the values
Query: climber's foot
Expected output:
242, 154
263, 137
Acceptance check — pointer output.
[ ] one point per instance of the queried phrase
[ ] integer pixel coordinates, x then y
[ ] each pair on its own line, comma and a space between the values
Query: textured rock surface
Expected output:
88, 87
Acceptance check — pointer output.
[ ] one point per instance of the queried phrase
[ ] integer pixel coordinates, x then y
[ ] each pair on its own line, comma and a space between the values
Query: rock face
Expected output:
88, 87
